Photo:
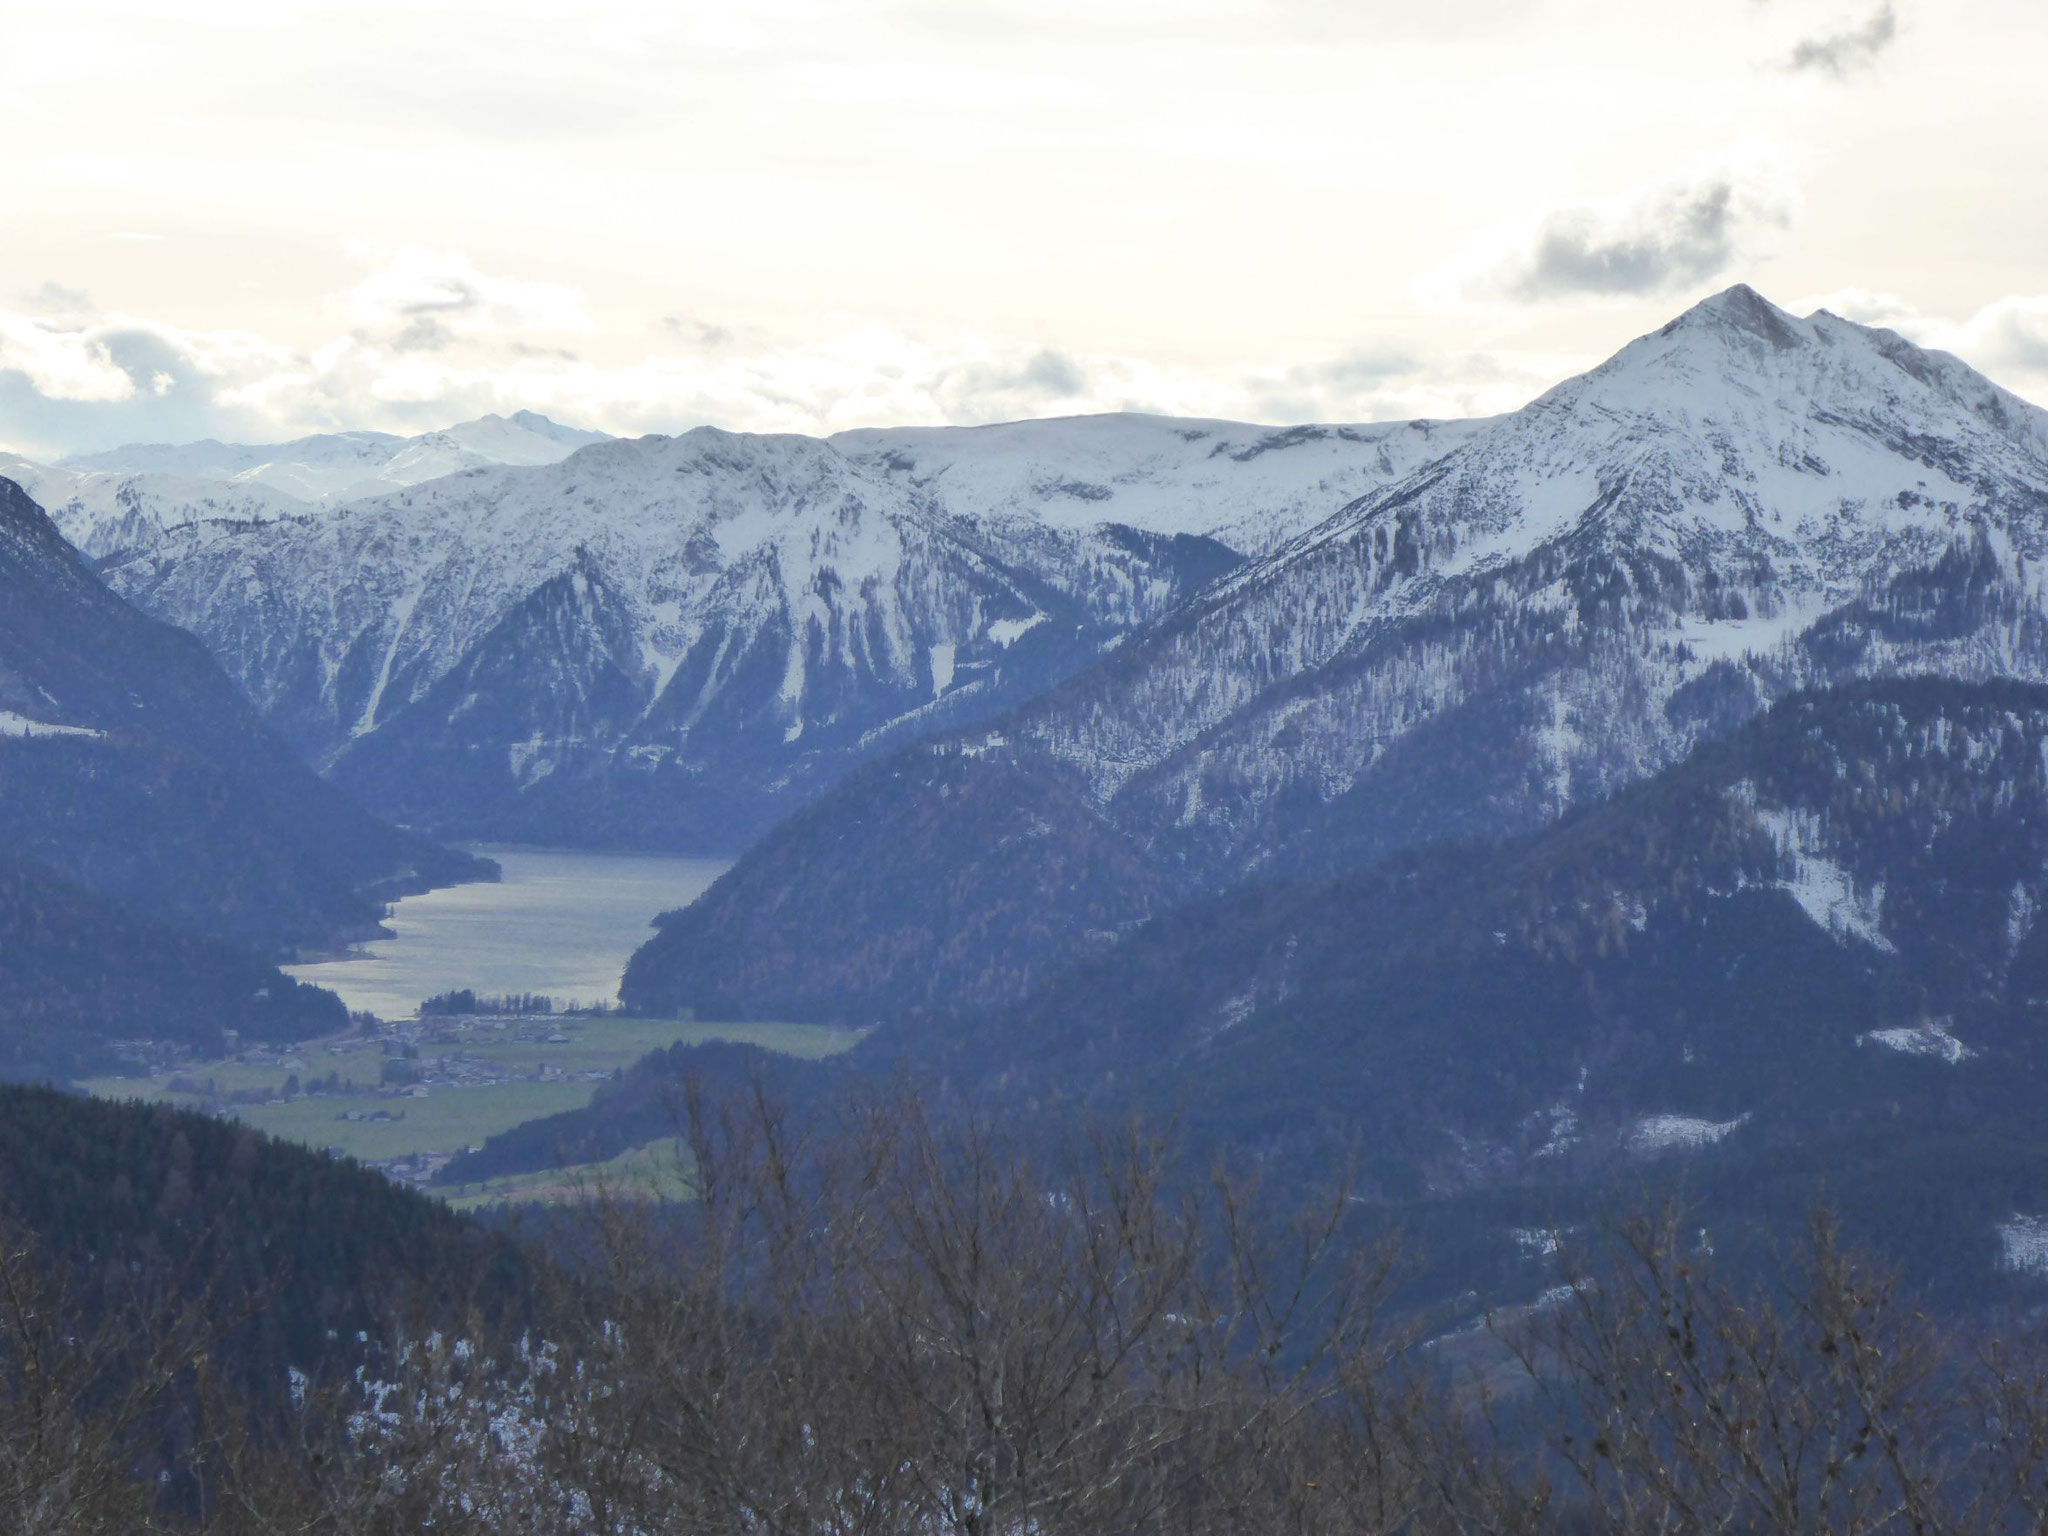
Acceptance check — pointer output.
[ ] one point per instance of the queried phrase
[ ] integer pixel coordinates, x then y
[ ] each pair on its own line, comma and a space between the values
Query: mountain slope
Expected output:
1739, 505
130, 765
1824, 921
78, 974
291, 1252
1815, 946
723, 624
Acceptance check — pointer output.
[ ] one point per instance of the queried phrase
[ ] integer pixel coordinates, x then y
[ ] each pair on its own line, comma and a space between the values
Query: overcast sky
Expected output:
254, 218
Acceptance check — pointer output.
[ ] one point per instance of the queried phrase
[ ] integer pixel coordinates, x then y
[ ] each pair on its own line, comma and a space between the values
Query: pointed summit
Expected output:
1744, 309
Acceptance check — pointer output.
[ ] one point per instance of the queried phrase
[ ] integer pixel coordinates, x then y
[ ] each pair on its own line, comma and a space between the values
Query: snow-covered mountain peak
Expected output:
1737, 434
1720, 491
1735, 358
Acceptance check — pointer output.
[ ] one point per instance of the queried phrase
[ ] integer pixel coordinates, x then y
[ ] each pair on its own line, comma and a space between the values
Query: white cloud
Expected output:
1866, 306
60, 362
432, 339
2011, 333
421, 300
73, 379
2006, 339
1661, 238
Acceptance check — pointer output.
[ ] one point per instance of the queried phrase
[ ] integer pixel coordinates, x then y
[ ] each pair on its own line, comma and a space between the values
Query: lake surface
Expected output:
562, 922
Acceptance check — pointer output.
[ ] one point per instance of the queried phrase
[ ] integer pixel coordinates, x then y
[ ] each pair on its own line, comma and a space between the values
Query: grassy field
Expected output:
481, 1076
660, 1170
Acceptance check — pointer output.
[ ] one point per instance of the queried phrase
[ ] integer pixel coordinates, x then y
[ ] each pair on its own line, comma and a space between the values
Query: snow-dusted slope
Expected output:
667, 638
1740, 505
105, 513
1740, 502
1251, 487
339, 466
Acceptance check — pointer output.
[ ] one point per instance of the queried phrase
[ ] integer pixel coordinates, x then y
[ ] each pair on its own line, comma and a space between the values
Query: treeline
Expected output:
464, 1002
125, 1198
78, 973
907, 1327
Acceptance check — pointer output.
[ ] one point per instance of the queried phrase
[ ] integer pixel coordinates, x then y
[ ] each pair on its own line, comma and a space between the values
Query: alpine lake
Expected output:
411, 1090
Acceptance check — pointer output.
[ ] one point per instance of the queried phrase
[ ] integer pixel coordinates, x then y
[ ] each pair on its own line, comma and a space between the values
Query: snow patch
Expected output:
942, 669
21, 728
1825, 891
1557, 742
2025, 1241
1664, 1133
1929, 1039
1712, 640
1007, 632
401, 620
1235, 1010
994, 741
2019, 916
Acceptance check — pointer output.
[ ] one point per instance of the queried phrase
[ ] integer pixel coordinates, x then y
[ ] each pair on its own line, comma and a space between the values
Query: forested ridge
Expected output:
911, 1324
141, 774
78, 974
321, 1247
1804, 961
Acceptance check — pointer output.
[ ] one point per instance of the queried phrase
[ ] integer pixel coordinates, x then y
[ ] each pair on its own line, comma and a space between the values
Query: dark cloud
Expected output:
1053, 374
1672, 239
1362, 368
1691, 240
1005, 389
1843, 53
1336, 389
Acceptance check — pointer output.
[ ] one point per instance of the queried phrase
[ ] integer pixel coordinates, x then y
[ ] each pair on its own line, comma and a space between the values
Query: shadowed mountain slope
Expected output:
131, 766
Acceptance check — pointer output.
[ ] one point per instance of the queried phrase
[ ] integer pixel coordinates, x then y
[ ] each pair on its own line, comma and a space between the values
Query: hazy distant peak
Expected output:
342, 466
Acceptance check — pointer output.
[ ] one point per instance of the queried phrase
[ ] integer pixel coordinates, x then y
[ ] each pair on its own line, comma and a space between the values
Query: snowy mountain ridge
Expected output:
1738, 507
1706, 496
653, 605
852, 591
107, 512
342, 466
1686, 522
1250, 487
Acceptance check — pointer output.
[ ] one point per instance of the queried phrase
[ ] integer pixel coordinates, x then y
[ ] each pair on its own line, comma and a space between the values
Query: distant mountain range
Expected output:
340, 466
1651, 776
113, 502
1743, 504
676, 641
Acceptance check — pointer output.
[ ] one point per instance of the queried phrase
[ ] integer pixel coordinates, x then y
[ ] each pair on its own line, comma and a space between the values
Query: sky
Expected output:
252, 219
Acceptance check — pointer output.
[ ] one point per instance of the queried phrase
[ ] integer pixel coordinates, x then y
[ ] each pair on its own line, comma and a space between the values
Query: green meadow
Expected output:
479, 1076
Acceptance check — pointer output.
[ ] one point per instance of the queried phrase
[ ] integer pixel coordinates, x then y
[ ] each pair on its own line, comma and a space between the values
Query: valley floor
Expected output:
413, 1094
